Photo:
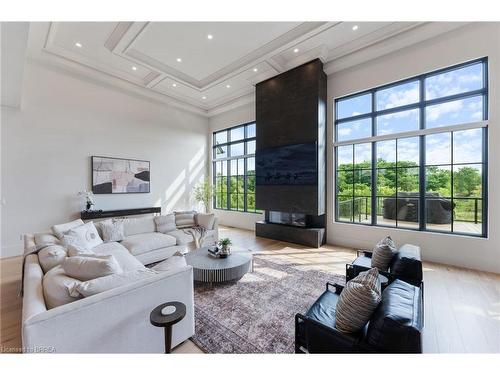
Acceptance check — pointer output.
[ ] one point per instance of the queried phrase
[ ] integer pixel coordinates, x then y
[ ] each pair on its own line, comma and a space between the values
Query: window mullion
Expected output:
422, 216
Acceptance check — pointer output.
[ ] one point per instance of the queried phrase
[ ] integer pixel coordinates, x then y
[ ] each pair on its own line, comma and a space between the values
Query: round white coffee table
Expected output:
209, 269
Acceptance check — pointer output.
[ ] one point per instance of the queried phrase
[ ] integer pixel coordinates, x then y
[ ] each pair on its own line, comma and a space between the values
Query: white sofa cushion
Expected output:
165, 223
174, 262
74, 251
60, 229
127, 261
185, 219
88, 268
144, 242
56, 287
45, 239
84, 237
138, 226
112, 230
51, 256
101, 284
181, 237
206, 221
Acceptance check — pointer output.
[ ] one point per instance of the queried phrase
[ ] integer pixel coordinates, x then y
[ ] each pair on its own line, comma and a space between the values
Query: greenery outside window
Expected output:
413, 154
234, 168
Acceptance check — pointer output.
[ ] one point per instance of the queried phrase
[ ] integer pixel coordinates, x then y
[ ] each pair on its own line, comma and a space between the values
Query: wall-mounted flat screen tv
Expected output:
287, 165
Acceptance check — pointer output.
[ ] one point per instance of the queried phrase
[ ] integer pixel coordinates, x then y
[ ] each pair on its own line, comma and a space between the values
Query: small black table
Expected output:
158, 319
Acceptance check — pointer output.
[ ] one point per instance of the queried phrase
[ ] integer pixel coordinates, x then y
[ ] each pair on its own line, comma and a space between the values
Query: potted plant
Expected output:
225, 248
204, 192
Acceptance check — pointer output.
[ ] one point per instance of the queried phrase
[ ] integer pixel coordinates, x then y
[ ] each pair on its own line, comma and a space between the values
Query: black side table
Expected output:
174, 312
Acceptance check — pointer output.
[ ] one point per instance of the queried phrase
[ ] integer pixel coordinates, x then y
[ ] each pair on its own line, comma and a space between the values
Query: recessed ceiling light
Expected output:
134, 68
174, 84
78, 44
210, 36
355, 27
203, 97
255, 69
228, 86
179, 59
296, 50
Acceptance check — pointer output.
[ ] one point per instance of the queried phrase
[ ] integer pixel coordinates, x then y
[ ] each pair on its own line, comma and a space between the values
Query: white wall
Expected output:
237, 116
457, 46
46, 149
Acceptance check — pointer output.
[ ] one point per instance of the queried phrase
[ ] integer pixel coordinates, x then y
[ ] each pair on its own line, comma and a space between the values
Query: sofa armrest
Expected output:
316, 337
115, 321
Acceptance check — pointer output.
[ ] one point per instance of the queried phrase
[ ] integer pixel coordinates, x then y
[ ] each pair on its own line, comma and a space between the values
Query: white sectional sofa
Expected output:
116, 320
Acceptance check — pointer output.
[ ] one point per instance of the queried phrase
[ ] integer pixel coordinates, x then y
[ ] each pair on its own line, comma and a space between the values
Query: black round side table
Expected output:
166, 315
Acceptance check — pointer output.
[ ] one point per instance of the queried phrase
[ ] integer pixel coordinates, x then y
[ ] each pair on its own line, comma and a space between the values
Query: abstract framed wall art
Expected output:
120, 176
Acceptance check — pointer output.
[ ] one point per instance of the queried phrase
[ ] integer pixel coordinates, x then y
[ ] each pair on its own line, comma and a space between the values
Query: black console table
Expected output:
99, 214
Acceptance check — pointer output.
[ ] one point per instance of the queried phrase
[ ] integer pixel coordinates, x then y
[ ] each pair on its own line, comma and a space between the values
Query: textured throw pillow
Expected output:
383, 253
185, 219
205, 220
165, 223
101, 284
56, 287
88, 268
51, 256
84, 237
112, 230
358, 301
170, 264
60, 229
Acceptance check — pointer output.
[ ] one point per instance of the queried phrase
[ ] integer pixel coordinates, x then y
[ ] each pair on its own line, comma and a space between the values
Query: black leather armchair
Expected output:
395, 326
406, 265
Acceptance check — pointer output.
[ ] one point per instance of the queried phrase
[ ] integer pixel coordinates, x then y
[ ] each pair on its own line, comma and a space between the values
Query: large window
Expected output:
234, 168
413, 154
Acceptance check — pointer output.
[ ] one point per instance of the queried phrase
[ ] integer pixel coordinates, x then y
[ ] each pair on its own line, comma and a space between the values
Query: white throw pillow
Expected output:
165, 223
56, 287
60, 229
51, 256
101, 284
84, 237
185, 219
112, 230
173, 263
76, 251
139, 226
88, 268
205, 220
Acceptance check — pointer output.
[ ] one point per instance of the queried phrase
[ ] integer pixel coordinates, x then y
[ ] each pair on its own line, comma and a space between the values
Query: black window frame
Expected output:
421, 105
228, 159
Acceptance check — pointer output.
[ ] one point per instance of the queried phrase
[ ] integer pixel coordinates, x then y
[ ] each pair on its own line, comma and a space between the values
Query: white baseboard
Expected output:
11, 251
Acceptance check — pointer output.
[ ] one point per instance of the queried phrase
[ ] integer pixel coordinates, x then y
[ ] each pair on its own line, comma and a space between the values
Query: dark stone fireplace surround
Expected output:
290, 110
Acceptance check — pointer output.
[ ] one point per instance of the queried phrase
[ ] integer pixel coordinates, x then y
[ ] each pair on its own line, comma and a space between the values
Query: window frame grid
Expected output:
421, 104
228, 159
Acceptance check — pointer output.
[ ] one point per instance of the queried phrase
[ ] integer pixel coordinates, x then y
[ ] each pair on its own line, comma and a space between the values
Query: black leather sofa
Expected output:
395, 326
406, 265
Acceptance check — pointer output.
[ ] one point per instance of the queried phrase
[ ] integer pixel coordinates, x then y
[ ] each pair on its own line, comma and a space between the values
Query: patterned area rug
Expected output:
256, 314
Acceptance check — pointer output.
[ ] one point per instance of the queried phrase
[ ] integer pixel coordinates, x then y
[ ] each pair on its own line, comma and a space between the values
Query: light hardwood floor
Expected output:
462, 307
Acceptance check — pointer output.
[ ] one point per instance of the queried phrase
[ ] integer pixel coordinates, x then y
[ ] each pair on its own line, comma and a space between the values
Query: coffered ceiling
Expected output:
209, 66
